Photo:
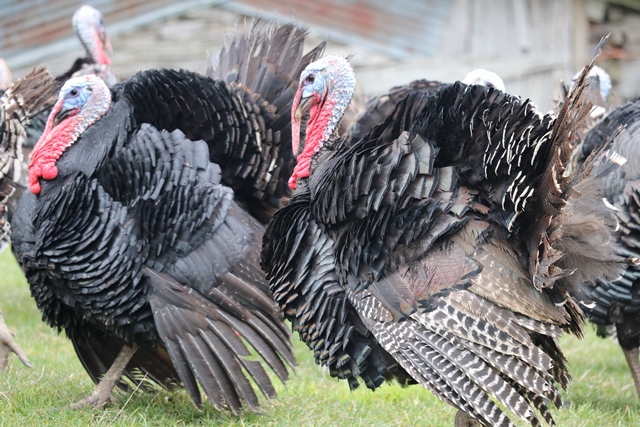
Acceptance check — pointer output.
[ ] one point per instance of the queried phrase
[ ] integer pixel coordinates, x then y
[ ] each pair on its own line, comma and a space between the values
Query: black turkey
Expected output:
135, 239
618, 302
442, 248
25, 99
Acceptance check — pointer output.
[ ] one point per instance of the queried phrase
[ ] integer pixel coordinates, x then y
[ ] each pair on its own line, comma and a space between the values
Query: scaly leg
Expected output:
8, 346
465, 420
102, 393
634, 366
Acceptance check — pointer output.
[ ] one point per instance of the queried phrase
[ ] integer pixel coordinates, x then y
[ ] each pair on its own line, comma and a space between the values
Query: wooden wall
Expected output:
621, 55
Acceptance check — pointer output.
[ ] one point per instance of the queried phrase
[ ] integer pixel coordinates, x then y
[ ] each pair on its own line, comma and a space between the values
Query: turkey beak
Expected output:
63, 114
303, 107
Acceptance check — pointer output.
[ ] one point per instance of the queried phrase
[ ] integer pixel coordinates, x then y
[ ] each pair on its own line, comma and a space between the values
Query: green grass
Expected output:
602, 393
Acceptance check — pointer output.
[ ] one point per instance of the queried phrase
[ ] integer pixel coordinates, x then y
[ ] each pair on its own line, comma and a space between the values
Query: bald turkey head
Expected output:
89, 26
81, 103
326, 88
484, 77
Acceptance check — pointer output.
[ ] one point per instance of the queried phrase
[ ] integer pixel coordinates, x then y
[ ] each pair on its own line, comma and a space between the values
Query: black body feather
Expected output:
378, 108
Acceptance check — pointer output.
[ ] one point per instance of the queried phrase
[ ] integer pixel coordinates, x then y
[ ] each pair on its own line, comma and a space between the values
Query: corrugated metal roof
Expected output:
398, 28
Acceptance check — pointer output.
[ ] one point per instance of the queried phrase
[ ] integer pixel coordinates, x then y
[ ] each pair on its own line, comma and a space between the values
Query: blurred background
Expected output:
531, 44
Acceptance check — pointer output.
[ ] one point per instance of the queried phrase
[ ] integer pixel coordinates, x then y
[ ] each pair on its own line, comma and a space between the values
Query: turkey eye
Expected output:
73, 92
310, 78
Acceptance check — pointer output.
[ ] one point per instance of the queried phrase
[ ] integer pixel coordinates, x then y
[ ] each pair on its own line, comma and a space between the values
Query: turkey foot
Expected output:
634, 365
465, 420
8, 346
102, 393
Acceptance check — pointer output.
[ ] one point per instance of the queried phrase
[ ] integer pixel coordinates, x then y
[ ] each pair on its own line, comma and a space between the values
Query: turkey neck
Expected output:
323, 120
97, 50
96, 44
325, 113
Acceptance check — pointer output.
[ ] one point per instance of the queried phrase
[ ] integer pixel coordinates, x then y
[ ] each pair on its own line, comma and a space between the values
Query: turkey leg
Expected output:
465, 420
102, 393
634, 365
8, 346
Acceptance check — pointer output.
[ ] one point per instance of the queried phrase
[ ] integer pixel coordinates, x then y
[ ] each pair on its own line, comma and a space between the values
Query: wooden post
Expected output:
580, 49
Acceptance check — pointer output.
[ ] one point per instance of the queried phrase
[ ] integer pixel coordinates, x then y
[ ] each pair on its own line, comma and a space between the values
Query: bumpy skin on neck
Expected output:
56, 139
87, 22
326, 110
98, 51
319, 122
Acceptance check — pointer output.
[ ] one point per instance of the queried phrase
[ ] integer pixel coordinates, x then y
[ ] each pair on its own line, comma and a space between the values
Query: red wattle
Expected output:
34, 184
99, 54
302, 168
49, 171
49, 148
319, 118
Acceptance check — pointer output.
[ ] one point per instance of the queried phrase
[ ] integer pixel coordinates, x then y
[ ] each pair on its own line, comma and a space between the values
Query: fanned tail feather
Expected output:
576, 243
474, 377
21, 102
261, 67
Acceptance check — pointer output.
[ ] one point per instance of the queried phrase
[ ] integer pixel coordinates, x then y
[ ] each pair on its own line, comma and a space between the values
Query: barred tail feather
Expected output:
473, 376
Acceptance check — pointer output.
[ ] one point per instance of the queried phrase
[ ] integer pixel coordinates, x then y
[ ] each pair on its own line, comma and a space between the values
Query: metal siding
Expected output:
397, 28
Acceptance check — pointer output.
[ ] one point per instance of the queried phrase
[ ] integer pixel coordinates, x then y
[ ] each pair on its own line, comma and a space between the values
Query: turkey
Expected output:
8, 345
444, 247
26, 98
137, 237
618, 302
89, 27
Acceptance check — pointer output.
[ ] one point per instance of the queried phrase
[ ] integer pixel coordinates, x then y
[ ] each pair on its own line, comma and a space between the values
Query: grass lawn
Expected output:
602, 393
